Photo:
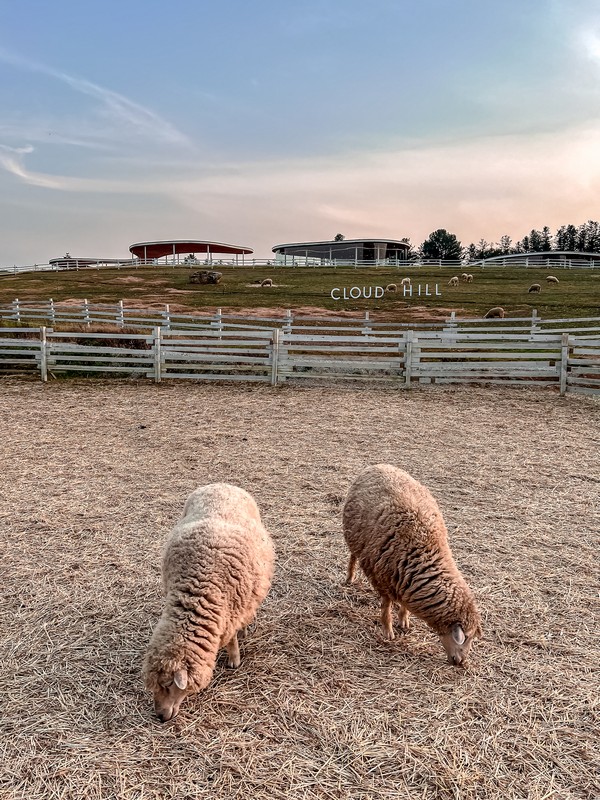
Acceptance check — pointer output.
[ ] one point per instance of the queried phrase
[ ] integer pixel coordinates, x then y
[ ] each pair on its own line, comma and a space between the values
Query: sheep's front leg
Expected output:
233, 652
387, 605
404, 617
351, 570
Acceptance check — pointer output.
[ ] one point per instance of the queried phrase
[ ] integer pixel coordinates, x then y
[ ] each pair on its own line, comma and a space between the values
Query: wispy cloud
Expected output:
125, 114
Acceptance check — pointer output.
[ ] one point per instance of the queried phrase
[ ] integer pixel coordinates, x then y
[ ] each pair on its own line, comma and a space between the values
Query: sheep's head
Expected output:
170, 688
457, 643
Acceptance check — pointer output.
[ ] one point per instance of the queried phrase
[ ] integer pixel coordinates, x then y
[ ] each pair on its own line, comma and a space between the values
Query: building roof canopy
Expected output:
178, 246
341, 243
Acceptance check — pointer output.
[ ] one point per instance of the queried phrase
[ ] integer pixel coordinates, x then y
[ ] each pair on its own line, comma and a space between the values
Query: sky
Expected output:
263, 122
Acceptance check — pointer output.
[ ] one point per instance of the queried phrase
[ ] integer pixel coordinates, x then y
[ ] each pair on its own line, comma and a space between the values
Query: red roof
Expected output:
178, 246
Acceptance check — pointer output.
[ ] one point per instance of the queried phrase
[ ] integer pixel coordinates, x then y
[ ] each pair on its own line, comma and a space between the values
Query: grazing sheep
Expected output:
396, 532
391, 287
267, 282
469, 278
535, 287
405, 282
497, 311
217, 568
464, 277
453, 281
552, 279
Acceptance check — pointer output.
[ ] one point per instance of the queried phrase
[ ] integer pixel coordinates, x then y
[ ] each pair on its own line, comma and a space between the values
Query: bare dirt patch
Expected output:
96, 472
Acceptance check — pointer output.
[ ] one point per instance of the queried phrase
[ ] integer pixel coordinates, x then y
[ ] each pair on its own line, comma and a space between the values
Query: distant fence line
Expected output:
303, 262
452, 355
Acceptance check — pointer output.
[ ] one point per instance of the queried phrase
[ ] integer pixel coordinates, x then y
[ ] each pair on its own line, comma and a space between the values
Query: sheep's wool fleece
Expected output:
394, 527
217, 569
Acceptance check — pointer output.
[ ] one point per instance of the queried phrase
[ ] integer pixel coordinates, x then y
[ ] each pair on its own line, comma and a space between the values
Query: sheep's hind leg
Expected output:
387, 605
233, 652
351, 570
404, 617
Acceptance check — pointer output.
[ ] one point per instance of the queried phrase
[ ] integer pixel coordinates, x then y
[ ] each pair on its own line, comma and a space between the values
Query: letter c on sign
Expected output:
333, 296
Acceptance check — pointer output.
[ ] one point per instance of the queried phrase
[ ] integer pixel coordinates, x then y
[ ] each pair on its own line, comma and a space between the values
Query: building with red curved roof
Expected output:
172, 249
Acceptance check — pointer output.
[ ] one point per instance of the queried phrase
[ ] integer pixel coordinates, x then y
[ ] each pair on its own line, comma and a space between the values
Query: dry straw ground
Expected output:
95, 473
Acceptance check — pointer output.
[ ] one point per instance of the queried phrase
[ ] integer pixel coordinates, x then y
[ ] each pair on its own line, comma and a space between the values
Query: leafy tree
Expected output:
546, 239
441, 244
339, 237
535, 241
505, 245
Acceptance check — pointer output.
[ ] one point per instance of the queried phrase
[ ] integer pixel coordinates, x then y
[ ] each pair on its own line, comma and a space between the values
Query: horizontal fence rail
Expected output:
407, 357
300, 261
85, 313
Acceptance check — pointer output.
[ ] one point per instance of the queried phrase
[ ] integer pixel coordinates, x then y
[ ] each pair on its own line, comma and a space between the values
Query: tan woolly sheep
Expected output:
497, 311
391, 287
464, 277
535, 287
552, 279
469, 278
267, 282
396, 532
453, 281
216, 569
405, 282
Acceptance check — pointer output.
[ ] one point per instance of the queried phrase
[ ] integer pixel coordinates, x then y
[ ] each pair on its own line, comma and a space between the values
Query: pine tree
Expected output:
546, 239
441, 244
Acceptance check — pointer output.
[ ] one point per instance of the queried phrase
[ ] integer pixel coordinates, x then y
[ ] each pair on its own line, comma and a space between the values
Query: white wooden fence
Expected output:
407, 358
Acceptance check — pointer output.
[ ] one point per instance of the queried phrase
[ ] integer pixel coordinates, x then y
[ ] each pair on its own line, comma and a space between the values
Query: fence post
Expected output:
287, 326
121, 315
157, 354
167, 316
219, 322
534, 322
275, 356
52, 315
86, 311
367, 328
564, 362
17, 310
43, 355
408, 359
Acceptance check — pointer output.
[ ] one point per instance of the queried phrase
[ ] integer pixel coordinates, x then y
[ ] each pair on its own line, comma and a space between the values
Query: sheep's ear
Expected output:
181, 679
458, 635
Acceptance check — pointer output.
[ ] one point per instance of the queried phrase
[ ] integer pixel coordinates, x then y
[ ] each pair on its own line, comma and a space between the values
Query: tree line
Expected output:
442, 244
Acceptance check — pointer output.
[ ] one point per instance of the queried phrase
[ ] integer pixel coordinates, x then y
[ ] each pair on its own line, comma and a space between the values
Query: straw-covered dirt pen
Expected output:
94, 475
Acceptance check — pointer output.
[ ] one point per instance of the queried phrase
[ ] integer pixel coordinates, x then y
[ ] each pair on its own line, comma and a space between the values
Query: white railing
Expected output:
511, 356
86, 313
301, 262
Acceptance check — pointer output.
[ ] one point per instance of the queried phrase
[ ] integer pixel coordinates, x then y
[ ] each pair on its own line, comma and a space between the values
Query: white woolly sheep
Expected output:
464, 277
535, 287
453, 281
552, 279
497, 311
267, 282
395, 531
405, 282
216, 569
469, 278
391, 287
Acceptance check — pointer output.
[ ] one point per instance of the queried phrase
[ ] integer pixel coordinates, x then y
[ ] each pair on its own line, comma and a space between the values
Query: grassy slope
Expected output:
578, 293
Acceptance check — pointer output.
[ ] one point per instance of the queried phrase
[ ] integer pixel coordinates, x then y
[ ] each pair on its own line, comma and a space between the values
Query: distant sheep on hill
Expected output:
267, 282
535, 287
216, 569
395, 530
497, 311
453, 281
405, 282
391, 287
464, 277
552, 279
469, 278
